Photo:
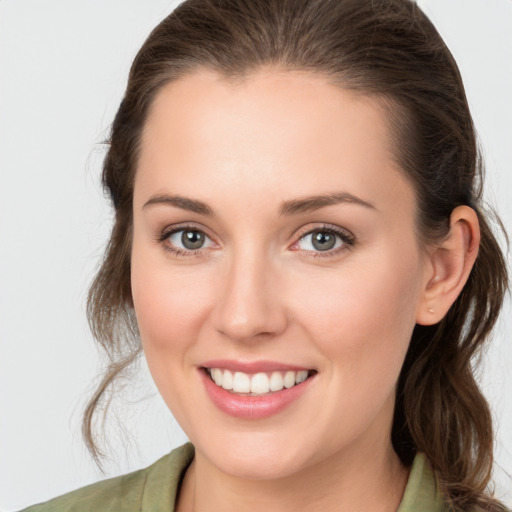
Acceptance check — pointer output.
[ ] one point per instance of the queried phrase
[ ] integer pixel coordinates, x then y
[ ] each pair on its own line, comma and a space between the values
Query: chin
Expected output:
261, 459
260, 468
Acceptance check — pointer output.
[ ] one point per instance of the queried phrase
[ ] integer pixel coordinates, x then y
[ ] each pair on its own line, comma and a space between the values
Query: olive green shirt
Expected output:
155, 488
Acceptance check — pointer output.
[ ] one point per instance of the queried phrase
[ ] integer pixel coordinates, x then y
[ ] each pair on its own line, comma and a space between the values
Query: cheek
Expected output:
169, 306
162, 306
171, 309
361, 319
362, 315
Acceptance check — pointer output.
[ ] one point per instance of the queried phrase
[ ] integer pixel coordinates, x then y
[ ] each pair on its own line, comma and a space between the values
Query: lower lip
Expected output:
252, 407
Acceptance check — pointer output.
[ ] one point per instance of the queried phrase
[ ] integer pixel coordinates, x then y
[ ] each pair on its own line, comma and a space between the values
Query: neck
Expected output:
372, 481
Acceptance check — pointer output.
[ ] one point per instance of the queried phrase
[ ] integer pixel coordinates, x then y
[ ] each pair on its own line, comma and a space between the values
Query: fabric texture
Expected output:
154, 489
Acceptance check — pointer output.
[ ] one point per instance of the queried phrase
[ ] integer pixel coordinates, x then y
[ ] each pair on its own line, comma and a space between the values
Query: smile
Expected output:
261, 390
256, 384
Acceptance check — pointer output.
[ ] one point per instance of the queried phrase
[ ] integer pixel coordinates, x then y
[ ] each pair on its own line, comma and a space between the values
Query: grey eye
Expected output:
189, 240
323, 241
320, 240
192, 239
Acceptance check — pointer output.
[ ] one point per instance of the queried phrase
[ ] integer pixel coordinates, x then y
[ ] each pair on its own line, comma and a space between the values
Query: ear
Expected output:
448, 266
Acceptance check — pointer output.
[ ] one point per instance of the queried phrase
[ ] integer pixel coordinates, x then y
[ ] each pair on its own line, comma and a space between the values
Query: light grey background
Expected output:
63, 67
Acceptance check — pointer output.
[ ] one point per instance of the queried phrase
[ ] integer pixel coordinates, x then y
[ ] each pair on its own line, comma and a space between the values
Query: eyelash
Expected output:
348, 240
163, 239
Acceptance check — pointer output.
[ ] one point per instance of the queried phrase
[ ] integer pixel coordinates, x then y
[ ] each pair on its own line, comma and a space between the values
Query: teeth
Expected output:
241, 383
276, 382
301, 376
259, 383
227, 380
216, 374
289, 379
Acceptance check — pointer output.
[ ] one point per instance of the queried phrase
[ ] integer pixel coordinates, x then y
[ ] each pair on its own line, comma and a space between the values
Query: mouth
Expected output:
255, 390
257, 384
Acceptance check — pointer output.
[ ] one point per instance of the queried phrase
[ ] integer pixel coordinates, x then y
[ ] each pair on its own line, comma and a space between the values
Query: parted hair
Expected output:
387, 49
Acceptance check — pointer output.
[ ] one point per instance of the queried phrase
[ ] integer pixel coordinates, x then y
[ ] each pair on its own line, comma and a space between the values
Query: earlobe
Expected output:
451, 262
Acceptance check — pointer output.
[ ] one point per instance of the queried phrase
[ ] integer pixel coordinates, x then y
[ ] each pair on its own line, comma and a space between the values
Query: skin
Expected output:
258, 290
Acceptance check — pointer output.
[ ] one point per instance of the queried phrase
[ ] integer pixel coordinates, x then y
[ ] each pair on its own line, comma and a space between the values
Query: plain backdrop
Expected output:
63, 68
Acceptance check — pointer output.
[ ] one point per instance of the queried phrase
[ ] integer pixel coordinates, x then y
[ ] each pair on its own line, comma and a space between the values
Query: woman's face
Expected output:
274, 240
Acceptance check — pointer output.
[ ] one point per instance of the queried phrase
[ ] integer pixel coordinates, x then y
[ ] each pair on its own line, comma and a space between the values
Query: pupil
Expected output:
323, 241
192, 239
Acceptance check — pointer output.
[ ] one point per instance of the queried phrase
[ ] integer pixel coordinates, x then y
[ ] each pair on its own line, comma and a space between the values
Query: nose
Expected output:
250, 306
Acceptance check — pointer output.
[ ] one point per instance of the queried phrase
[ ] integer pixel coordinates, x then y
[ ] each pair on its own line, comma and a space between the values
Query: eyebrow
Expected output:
312, 203
191, 205
292, 207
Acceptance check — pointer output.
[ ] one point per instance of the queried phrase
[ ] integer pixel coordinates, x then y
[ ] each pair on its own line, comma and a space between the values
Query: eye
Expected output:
324, 240
320, 240
186, 240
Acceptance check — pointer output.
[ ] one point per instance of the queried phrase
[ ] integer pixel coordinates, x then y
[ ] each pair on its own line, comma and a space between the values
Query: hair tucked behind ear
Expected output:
440, 409
382, 48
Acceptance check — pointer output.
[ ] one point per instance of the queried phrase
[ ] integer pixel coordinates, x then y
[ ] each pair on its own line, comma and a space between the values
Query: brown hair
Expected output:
384, 48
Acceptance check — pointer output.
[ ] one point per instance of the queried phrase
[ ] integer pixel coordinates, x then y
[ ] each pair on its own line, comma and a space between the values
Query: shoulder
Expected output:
151, 489
423, 491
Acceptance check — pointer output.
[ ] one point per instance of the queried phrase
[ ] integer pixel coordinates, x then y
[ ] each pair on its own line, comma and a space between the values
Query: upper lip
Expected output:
252, 366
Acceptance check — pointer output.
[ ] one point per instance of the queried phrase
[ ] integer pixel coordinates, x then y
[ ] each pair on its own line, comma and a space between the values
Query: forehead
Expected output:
292, 130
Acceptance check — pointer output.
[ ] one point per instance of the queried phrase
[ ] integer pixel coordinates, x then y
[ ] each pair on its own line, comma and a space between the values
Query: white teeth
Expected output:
301, 376
227, 380
241, 383
289, 379
259, 383
216, 374
276, 381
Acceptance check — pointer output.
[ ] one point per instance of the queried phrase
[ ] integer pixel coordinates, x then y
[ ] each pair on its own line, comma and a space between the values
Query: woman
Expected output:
300, 251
